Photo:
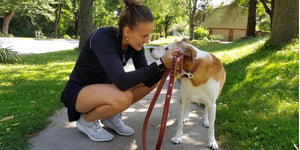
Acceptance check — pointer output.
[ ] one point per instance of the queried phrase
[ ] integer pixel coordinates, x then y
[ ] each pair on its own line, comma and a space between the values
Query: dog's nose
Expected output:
151, 49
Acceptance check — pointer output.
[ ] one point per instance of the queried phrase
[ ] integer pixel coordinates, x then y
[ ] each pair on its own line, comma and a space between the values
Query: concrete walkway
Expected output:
37, 46
63, 135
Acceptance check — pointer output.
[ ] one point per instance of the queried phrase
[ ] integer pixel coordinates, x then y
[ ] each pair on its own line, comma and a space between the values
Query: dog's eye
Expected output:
166, 48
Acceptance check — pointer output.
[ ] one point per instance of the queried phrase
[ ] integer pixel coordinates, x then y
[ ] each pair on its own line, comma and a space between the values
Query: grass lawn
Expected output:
29, 94
259, 104
258, 108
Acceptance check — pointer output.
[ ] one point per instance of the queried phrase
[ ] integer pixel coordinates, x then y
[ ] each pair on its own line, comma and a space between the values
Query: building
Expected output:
227, 23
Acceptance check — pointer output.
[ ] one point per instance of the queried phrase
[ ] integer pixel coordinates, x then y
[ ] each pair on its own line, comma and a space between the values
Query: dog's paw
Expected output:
206, 124
213, 145
176, 140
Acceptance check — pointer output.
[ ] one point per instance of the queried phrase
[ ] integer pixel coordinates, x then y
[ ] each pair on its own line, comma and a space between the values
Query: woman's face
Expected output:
139, 35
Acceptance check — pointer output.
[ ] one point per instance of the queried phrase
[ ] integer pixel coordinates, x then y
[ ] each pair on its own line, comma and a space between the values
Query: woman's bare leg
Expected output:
140, 91
99, 101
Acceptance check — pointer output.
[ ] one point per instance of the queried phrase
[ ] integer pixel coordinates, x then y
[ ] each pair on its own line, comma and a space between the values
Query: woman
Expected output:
99, 88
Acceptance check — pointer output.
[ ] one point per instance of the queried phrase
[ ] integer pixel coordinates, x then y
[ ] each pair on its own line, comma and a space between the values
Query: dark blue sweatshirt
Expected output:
101, 61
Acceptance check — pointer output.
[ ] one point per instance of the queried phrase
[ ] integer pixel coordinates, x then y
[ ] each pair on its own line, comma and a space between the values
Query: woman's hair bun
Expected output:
132, 2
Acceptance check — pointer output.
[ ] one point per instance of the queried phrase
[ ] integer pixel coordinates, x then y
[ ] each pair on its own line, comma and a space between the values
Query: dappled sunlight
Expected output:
70, 124
137, 110
188, 139
133, 145
6, 84
230, 55
49, 71
288, 108
170, 122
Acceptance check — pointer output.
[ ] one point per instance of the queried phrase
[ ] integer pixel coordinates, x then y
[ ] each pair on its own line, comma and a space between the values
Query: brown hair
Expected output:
133, 14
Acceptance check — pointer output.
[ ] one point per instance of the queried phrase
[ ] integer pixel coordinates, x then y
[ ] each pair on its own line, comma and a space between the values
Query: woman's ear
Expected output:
126, 31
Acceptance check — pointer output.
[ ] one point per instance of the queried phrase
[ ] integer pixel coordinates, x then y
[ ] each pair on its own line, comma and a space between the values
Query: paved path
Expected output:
37, 46
63, 135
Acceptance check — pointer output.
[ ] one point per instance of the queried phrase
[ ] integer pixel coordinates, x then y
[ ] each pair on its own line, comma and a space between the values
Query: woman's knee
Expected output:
124, 100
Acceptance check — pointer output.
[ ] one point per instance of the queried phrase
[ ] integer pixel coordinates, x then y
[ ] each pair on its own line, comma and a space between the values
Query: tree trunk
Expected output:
192, 14
191, 28
251, 18
57, 20
285, 20
85, 21
6, 20
166, 28
76, 24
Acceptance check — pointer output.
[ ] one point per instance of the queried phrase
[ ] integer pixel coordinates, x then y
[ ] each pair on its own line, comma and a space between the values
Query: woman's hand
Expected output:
167, 58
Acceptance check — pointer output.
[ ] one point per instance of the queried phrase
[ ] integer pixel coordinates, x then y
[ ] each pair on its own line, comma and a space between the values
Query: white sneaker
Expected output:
93, 130
116, 123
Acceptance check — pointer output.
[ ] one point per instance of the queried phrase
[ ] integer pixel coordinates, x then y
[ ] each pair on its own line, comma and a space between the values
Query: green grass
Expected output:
29, 94
258, 107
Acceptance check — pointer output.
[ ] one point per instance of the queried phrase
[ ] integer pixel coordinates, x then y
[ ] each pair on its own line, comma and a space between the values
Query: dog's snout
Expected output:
151, 49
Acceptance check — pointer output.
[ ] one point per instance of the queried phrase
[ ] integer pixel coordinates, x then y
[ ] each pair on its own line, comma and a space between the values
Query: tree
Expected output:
8, 9
106, 13
251, 18
85, 21
60, 6
75, 11
285, 21
30, 8
193, 8
166, 13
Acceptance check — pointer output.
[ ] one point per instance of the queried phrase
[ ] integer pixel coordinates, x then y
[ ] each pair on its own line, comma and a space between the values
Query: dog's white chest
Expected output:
204, 93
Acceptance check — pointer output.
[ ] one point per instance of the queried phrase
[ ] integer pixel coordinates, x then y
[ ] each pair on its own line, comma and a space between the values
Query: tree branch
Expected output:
268, 10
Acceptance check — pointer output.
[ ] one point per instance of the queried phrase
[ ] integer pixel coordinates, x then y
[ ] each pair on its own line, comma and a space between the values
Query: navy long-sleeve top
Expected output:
101, 61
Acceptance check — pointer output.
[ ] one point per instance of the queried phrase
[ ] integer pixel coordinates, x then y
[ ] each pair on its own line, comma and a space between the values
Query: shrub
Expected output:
8, 56
154, 36
264, 25
201, 33
6, 35
67, 37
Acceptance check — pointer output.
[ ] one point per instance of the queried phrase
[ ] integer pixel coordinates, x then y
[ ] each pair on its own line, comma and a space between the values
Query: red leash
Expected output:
166, 106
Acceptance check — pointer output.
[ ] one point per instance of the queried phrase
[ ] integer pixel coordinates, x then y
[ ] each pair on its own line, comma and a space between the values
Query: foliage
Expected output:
27, 12
105, 13
264, 25
180, 28
166, 13
201, 33
7, 56
154, 36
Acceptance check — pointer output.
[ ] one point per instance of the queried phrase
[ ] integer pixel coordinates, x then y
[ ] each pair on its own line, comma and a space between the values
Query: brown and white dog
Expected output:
202, 85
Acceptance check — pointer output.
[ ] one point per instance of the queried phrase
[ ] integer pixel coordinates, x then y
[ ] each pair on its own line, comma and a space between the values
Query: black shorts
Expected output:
69, 97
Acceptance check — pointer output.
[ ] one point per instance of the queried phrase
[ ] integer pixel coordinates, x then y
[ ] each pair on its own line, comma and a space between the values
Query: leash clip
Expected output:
187, 74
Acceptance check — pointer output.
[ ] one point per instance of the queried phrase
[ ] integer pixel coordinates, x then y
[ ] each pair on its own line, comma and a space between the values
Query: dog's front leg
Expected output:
211, 131
184, 107
187, 113
206, 122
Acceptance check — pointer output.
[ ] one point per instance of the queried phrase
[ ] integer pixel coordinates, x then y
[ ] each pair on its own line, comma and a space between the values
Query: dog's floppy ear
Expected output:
186, 40
190, 54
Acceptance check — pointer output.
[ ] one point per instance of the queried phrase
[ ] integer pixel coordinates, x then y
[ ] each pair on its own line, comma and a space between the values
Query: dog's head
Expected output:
185, 47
